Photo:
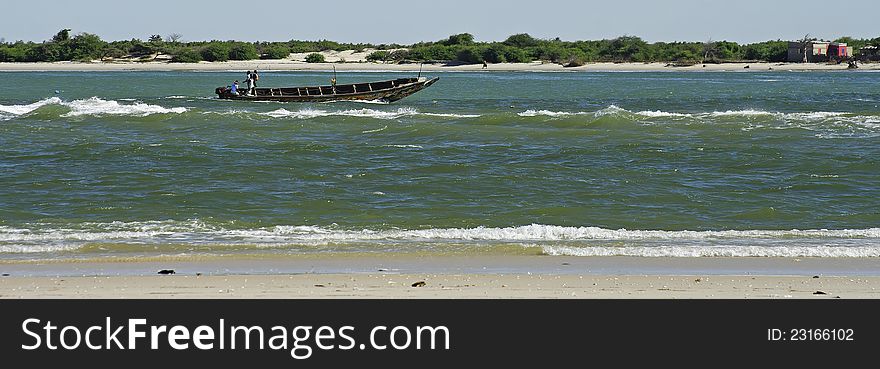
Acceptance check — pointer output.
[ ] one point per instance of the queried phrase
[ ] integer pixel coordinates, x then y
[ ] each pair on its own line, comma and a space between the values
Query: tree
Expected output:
186, 56
215, 51
85, 46
174, 37
459, 39
112, 53
155, 39
626, 48
378, 56
399, 55
276, 52
62, 35
471, 54
804, 45
710, 48
772, 51
138, 47
521, 40
243, 51
45, 52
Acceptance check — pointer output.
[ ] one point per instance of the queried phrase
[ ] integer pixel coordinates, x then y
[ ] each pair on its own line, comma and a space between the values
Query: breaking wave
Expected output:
97, 106
616, 110
828, 123
92, 106
548, 113
309, 113
555, 240
717, 251
25, 109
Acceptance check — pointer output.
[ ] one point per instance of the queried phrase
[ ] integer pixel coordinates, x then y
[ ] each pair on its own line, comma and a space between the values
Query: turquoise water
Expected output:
653, 164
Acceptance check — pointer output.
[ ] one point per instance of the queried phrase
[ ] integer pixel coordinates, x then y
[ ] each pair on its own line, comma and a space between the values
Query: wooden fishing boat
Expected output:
388, 91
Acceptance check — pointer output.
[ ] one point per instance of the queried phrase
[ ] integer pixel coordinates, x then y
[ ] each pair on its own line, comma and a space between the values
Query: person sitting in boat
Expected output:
234, 89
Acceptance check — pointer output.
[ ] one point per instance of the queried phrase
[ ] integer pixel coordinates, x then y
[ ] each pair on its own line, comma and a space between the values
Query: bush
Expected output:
85, 46
45, 52
515, 55
459, 39
472, 55
243, 51
521, 40
187, 56
376, 56
302, 47
399, 55
113, 53
496, 53
13, 53
314, 58
773, 51
276, 52
433, 52
215, 51
138, 47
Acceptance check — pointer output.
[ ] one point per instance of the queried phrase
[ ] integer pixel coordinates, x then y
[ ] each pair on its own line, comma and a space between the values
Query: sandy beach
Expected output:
361, 65
450, 277
442, 286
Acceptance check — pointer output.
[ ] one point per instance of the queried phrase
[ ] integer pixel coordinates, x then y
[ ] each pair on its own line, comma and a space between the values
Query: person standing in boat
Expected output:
250, 83
254, 78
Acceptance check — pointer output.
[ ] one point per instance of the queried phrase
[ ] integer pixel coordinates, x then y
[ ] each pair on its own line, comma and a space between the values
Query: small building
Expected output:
818, 51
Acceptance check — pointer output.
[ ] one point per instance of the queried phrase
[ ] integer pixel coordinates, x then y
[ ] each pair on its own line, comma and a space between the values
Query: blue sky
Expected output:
386, 21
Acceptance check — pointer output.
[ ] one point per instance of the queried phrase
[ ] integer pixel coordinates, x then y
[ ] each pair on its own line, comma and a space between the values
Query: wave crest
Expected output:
309, 113
555, 240
25, 109
92, 106
98, 106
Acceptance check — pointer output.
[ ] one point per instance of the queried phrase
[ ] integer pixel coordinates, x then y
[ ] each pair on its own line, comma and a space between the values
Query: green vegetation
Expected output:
378, 56
243, 51
216, 51
460, 48
314, 58
275, 52
187, 56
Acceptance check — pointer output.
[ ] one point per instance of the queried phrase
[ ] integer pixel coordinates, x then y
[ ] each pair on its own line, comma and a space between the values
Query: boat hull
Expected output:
386, 91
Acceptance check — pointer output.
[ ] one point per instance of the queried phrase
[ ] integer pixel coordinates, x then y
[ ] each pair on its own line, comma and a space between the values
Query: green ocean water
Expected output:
651, 164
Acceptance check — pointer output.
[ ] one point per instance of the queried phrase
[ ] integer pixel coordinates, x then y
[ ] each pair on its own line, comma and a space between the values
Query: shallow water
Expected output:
649, 164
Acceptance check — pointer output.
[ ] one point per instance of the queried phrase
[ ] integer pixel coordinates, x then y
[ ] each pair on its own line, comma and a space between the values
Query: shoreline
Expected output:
449, 277
288, 65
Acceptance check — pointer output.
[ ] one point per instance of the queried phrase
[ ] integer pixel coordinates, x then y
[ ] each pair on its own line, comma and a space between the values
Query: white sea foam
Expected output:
548, 113
658, 113
404, 146
24, 109
98, 106
93, 106
808, 117
450, 115
308, 113
555, 240
715, 251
